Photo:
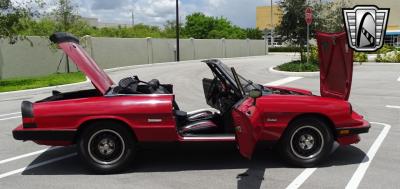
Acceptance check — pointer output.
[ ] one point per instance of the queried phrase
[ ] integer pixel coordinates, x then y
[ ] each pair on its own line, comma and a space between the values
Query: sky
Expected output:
156, 12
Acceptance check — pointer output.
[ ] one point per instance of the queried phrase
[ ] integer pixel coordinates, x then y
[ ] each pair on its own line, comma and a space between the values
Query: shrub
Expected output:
360, 57
298, 66
391, 56
284, 49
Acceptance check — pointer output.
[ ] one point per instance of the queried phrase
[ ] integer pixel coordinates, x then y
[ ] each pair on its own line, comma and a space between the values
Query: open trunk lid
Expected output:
336, 65
70, 45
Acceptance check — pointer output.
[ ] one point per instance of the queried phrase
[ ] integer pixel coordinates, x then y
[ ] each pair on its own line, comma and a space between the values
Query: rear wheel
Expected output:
106, 147
306, 142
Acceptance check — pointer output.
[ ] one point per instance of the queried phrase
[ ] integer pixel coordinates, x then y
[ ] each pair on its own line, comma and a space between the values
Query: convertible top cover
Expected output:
61, 37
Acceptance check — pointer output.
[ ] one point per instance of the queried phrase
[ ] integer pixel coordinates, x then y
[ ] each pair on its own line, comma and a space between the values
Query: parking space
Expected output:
368, 164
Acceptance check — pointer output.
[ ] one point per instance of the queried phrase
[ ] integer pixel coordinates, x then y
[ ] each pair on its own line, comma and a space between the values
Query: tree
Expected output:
11, 16
293, 27
254, 33
65, 15
200, 26
333, 17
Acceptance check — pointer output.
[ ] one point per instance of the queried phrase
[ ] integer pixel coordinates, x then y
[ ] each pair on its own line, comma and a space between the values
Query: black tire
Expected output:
106, 147
306, 142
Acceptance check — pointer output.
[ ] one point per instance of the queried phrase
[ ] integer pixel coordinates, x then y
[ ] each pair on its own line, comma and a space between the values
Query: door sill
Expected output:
209, 137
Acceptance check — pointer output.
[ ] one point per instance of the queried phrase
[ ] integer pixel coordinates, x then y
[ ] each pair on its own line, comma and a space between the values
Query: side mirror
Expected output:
255, 93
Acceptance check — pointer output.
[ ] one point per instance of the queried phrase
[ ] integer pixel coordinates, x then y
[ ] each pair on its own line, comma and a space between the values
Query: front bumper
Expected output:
347, 131
21, 133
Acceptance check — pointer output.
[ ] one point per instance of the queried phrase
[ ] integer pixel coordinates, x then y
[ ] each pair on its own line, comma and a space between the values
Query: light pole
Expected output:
272, 27
177, 31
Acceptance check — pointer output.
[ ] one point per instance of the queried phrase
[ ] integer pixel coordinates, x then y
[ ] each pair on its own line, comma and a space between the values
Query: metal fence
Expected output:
36, 57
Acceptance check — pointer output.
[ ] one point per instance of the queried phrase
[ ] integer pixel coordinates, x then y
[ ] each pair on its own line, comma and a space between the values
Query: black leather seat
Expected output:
195, 123
195, 116
199, 127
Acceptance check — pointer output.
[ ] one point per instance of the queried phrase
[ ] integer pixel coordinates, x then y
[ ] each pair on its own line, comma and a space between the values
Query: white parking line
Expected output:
398, 79
3, 119
296, 183
283, 81
28, 154
362, 168
36, 165
2, 115
390, 106
359, 174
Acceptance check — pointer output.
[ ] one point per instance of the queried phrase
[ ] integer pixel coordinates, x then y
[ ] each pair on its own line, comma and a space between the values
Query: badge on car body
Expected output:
366, 26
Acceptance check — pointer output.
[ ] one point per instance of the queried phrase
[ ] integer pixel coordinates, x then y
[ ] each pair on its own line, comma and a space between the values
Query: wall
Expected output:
23, 59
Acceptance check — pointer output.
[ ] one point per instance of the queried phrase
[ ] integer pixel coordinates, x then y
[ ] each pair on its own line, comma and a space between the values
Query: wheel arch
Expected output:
86, 124
319, 116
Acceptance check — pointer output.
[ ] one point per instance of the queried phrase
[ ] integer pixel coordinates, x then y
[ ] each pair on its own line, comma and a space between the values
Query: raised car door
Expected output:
246, 137
336, 65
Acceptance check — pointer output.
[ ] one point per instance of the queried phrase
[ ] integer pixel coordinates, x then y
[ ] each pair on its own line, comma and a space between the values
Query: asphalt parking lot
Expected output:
372, 163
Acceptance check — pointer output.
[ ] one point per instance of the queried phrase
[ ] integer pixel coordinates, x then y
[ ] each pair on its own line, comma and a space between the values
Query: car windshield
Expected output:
246, 84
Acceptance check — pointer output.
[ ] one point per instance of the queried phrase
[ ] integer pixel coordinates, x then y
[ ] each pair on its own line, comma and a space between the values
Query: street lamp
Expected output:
177, 31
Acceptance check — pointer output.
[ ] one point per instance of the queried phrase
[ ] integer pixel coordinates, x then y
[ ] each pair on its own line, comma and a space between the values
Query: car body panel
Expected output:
86, 64
245, 128
137, 111
336, 65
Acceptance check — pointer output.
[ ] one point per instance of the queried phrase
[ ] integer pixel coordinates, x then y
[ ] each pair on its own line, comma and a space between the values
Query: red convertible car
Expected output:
108, 123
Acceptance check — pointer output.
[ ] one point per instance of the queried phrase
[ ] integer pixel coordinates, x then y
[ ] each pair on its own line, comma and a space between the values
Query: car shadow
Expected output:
206, 156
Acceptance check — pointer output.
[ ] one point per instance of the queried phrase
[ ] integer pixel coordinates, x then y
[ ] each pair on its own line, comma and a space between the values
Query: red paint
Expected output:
88, 66
336, 65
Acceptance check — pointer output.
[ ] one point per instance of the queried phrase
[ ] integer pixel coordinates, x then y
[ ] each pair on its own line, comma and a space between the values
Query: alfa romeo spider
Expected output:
108, 123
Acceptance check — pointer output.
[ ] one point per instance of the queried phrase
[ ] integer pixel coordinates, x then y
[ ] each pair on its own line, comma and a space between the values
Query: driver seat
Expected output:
199, 122
193, 116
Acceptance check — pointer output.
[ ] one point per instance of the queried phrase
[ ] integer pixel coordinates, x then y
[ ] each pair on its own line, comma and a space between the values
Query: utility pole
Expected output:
272, 27
133, 18
177, 31
65, 11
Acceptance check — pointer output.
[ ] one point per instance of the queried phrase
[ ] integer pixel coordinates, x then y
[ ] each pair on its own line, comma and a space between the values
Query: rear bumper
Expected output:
20, 133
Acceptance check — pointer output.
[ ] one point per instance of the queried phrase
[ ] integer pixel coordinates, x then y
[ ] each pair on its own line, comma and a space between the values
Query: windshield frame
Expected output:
246, 85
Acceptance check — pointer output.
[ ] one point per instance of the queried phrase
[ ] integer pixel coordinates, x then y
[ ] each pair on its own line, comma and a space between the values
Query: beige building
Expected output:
263, 17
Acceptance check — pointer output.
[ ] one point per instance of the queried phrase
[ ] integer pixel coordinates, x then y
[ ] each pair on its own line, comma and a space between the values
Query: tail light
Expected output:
27, 115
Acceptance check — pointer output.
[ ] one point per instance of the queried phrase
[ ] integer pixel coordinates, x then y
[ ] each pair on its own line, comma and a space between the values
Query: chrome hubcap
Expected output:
106, 146
306, 142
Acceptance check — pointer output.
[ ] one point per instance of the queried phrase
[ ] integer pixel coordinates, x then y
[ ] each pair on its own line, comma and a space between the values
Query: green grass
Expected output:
298, 66
16, 84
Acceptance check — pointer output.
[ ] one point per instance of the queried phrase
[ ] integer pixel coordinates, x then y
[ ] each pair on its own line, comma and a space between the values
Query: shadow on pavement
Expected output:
208, 156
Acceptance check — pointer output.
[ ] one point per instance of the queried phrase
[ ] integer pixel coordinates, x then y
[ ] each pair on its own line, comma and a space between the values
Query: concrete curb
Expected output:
379, 63
302, 74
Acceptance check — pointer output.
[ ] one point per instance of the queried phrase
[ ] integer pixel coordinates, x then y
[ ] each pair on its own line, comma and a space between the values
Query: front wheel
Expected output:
306, 142
106, 147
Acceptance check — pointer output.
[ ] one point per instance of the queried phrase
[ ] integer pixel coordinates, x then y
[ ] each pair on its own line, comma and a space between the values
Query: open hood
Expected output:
70, 45
336, 65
